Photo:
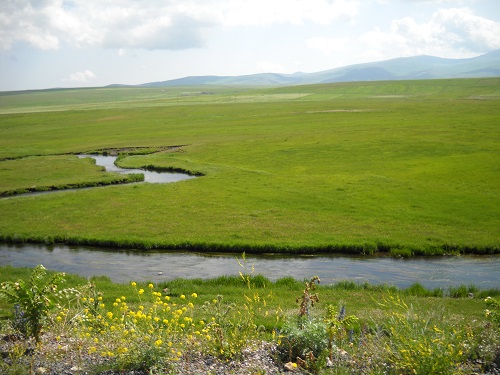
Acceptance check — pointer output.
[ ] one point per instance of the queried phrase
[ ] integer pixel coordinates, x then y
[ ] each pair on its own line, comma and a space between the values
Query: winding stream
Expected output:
124, 266
108, 162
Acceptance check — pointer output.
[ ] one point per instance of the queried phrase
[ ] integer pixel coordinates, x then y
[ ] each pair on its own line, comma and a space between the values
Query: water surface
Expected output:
108, 162
124, 266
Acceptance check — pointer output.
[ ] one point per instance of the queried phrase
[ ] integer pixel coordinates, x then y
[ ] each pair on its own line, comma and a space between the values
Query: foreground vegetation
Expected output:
409, 167
98, 326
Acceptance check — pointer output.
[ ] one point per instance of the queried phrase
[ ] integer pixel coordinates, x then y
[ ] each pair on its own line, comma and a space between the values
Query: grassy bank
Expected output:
159, 328
407, 167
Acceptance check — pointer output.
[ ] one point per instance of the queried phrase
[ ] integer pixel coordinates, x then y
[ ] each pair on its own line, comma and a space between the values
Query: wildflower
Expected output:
109, 314
150, 286
183, 296
134, 284
191, 305
158, 342
99, 298
165, 321
141, 291
167, 298
194, 295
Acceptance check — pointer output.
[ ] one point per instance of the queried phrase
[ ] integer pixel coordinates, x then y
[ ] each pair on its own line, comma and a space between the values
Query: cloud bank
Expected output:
149, 24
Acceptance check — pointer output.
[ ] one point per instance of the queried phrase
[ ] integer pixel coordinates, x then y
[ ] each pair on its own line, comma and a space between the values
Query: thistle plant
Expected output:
308, 299
33, 299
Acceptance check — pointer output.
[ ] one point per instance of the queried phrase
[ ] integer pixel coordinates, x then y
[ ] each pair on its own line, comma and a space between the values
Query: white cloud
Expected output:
83, 76
328, 45
150, 24
452, 32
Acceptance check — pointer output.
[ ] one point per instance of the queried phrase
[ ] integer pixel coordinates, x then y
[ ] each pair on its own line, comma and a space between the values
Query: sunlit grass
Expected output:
359, 167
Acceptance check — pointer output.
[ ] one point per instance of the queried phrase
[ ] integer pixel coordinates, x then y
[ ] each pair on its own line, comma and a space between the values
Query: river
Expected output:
124, 266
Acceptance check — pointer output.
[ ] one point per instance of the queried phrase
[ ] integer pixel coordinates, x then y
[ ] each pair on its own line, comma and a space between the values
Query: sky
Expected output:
87, 43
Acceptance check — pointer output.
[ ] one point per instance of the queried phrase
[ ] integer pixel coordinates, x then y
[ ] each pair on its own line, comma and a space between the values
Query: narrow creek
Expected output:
108, 162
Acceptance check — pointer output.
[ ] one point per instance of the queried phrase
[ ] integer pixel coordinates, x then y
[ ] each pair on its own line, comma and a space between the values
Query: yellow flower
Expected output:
134, 284
194, 295
191, 305
158, 342
141, 291
150, 286
109, 314
183, 296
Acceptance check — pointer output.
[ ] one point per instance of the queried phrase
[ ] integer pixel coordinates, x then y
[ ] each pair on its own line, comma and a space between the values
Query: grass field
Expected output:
406, 166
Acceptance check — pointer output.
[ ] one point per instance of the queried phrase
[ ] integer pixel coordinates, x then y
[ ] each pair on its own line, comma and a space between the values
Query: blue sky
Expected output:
79, 43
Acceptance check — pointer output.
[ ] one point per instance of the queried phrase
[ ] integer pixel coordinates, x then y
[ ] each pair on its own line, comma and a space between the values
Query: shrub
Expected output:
34, 299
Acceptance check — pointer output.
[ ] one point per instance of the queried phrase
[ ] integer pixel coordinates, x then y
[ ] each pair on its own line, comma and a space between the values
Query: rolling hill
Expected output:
416, 67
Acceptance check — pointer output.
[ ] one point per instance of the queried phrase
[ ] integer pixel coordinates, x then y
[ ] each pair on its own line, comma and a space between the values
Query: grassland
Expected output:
409, 167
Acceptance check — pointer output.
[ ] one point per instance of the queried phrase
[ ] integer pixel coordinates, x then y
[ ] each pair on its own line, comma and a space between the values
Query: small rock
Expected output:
329, 362
290, 366
342, 353
75, 369
40, 371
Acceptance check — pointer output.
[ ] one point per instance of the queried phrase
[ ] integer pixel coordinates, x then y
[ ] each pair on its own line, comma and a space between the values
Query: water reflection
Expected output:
124, 266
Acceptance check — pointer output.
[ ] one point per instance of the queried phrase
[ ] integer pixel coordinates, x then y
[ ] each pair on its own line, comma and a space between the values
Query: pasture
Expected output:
409, 167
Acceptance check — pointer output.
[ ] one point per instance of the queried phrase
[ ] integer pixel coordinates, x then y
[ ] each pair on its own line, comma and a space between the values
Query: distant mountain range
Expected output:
417, 67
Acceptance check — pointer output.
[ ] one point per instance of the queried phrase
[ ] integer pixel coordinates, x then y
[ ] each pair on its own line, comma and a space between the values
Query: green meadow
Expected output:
409, 167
